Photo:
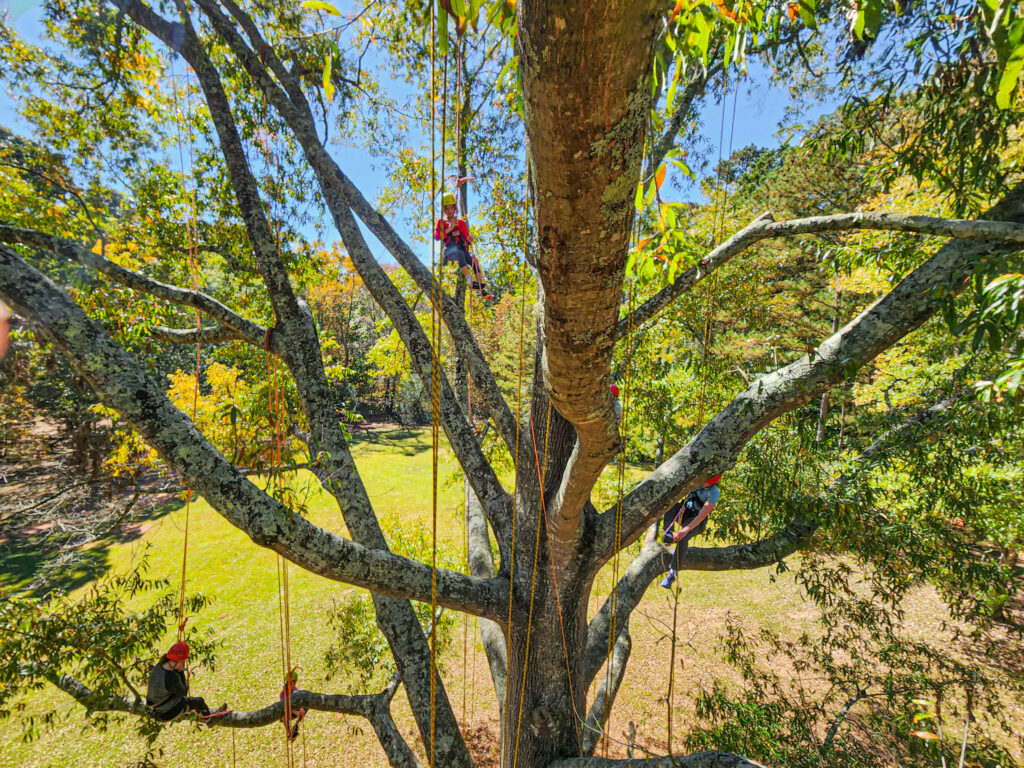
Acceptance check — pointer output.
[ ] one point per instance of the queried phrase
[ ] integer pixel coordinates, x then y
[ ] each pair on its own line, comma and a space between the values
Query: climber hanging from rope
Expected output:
454, 235
167, 695
686, 519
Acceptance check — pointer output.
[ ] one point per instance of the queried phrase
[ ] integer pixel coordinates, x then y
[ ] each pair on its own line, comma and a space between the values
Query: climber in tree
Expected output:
687, 519
167, 695
454, 235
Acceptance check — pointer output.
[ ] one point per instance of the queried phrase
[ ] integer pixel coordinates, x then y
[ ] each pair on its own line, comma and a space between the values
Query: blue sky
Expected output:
760, 109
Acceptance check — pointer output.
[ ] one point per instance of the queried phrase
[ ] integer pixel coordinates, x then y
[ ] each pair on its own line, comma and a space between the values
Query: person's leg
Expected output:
668, 524
166, 717
197, 705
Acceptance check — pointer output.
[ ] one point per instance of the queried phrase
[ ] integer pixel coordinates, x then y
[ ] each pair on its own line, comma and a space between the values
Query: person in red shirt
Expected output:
456, 240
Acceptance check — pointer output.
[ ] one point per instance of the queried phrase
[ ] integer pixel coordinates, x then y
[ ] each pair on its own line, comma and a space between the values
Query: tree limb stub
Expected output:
905, 308
764, 227
118, 382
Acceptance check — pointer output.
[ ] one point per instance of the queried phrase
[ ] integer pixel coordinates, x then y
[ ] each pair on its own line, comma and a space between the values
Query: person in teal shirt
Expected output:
687, 519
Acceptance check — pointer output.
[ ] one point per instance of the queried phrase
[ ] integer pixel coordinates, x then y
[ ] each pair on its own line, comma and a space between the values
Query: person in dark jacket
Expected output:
167, 695
687, 519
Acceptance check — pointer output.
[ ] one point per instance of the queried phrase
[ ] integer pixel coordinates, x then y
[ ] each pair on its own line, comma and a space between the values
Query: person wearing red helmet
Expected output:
616, 403
687, 519
167, 695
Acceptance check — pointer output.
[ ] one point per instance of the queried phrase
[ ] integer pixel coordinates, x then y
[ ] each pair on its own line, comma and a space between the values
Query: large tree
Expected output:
591, 141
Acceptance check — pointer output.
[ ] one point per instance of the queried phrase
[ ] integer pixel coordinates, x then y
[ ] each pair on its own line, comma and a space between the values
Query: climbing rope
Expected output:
435, 371
193, 252
717, 229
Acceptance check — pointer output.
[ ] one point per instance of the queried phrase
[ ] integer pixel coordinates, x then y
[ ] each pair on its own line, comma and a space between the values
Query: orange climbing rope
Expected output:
193, 251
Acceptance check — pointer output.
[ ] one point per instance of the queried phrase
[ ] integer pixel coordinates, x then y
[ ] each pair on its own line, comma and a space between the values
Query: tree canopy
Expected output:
834, 324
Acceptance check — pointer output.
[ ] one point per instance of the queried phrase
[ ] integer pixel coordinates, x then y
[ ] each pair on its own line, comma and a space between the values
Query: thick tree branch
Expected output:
460, 436
119, 383
481, 565
374, 707
655, 557
246, 330
764, 227
586, 152
646, 566
901, 311
336, 470
709, 759
601, 707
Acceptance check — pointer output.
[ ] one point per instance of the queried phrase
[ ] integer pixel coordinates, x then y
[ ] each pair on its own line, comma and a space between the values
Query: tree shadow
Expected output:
407, 441
35, 560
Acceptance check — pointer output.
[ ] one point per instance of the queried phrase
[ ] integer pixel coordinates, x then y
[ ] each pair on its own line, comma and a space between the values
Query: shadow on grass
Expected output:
407, 441
30, 557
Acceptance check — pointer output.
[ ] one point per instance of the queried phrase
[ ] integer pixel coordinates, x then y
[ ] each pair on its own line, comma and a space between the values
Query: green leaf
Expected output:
869, 19
328, 84
320, 5
807, 9
638, 201
442, 30
1008, 80
510, 66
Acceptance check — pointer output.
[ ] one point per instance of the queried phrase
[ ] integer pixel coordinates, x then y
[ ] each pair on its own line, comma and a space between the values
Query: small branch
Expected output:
246, 329
764, 227
211, 334
834, 728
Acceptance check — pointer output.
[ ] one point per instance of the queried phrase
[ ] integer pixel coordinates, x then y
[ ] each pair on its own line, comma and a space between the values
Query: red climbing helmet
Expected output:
178, 652
615, 390
713, 480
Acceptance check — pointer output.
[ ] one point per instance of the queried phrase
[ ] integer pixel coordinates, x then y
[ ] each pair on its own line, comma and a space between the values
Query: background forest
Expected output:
893, 637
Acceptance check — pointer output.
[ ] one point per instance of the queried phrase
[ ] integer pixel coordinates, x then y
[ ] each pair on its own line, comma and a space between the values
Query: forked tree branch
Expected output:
765, 227
120, 384
882, 325
655, 557
376, 708
460, 436
293, 106
246, 330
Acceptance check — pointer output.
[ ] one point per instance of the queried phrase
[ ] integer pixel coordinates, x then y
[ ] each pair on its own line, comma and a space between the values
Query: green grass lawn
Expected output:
241, 579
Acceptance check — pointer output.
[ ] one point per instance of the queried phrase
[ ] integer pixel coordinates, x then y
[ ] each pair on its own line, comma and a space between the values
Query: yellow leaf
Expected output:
925, 735
320, 5
328, 83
